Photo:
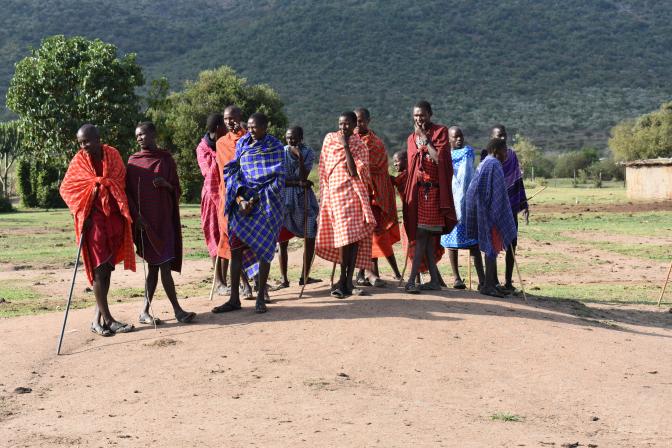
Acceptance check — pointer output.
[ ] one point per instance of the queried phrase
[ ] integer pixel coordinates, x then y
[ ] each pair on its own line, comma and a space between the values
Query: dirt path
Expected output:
387, 370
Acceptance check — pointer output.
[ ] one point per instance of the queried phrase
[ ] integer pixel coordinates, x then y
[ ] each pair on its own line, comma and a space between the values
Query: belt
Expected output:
428, 184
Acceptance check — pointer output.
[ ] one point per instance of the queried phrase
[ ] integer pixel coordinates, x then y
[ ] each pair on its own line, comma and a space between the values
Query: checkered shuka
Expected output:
256, 171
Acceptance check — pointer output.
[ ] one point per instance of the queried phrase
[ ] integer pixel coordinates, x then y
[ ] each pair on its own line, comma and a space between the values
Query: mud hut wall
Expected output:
649, 182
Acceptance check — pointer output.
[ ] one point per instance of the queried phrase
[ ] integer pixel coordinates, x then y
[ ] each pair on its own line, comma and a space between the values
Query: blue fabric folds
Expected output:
294, 195
463, 172
488, 207
257, 170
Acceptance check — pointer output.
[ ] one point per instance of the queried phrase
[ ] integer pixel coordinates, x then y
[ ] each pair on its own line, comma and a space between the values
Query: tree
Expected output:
184, 115
63, 84
71, 81
10, 150
528, 153
646, 137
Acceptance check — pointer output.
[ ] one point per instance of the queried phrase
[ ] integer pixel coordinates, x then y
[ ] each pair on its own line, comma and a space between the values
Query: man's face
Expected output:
399, 163
258, 131
88, 141
231, 120
499, 134
362, 123
145, 138
455, 138
346, 126
292, 138
421, 117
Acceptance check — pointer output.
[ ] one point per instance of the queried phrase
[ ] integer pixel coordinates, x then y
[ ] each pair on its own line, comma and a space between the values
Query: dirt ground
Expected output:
390, 370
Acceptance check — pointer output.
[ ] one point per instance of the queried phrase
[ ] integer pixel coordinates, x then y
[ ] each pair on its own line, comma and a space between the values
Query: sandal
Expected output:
120, 327
492, 292
379, 283
503, 290
311, 280
362, 281
101, 331
411, 288
338, 293
359, 292
279, 286
429, 286
459, 284
185, 317
260, 308
149, 320
226, 307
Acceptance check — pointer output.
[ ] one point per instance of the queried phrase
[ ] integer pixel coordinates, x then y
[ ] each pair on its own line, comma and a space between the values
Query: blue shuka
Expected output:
488, 207
257, 170
463, 172
294, 195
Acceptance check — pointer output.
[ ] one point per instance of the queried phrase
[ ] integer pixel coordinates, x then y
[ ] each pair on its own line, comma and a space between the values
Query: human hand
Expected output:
160, 182
87, 224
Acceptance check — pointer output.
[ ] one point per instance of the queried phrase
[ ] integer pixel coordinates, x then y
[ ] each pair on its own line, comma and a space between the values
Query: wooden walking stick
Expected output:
403, 271
536, 193
520, 278
72, 284
144, 269
304, 177
72, 287
662, 293
305, 239
214, 276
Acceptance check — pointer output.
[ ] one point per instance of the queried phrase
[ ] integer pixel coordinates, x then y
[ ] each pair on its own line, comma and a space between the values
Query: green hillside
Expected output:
561, 72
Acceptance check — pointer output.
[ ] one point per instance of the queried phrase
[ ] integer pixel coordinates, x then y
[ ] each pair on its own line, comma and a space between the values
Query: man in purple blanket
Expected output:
489, 218
513, 178
153, 191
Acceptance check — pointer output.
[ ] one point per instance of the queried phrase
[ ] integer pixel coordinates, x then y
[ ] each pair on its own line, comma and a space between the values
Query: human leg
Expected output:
478, 264
420, 250
150, 285
283, 262
169, 288
235, 264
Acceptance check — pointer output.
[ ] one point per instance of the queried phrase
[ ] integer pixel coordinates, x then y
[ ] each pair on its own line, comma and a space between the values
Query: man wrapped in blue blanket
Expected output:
255, 182
489, 218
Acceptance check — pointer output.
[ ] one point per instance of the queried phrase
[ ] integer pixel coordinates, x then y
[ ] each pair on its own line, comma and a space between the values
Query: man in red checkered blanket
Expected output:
346, 221
429, 211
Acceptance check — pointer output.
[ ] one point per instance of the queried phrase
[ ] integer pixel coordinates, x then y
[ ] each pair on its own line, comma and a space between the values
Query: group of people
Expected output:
257, 195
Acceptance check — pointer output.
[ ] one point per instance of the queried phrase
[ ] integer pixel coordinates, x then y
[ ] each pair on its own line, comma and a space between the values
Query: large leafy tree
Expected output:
646, 137
67, 82
184, 115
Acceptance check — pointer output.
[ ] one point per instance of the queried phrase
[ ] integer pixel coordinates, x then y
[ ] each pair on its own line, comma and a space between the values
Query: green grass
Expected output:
600, 293
560, 192
506, 417
45, 239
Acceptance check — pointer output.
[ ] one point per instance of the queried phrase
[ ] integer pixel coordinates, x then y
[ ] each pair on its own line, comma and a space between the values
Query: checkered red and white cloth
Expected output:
345, 210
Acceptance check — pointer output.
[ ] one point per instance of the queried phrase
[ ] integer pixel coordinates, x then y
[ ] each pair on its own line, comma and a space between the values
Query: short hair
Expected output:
147, 126
365, 111
214, 121
424, 105
90, 129
350, 115
498, 126
495, 145
259, 118
234, 109
297, 130
455, 128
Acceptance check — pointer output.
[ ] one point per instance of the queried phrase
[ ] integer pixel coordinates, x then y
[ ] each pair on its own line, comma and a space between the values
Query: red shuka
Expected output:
438, 135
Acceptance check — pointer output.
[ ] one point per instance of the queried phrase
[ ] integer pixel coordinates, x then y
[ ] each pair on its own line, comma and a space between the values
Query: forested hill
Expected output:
560, 72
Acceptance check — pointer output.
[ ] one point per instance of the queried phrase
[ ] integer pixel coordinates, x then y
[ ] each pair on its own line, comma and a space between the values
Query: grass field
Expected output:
571, 252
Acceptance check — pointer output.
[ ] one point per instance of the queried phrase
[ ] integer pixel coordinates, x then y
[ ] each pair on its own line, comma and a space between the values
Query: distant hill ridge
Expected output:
562, 73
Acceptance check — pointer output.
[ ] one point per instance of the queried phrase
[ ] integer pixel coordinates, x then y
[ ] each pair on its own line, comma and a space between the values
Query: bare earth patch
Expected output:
388, 370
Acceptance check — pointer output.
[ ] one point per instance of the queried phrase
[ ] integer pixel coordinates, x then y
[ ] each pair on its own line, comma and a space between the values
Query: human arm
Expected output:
349, 160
